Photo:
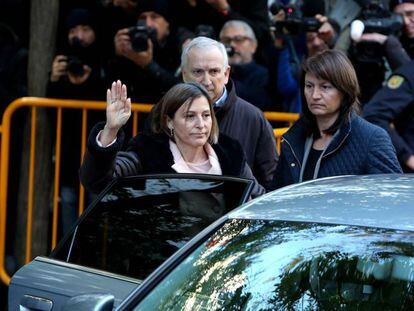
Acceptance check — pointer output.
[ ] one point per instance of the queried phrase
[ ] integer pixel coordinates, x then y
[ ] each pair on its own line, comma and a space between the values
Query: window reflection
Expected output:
138, 225
270, 265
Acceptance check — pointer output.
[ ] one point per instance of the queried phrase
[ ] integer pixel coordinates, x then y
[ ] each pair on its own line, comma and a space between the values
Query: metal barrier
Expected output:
282, 117
59, 105
278, 135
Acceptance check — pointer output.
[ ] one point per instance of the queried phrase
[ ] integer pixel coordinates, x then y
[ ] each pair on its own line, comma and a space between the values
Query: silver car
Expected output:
343, 243
340, 243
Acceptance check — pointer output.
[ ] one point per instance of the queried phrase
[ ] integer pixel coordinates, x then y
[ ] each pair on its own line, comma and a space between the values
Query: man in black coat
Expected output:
149, 54
205, 61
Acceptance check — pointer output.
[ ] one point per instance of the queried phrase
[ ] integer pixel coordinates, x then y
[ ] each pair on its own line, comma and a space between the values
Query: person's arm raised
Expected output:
118, 111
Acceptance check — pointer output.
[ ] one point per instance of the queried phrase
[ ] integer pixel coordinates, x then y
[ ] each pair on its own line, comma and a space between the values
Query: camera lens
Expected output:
75, 66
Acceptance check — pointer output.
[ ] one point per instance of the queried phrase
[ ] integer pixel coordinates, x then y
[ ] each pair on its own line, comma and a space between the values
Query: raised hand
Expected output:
118, 111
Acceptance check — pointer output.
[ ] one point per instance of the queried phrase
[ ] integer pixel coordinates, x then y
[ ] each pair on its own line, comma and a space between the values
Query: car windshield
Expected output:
275, 265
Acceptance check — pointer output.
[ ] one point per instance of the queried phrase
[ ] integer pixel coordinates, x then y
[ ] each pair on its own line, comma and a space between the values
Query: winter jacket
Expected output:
150, 154
357, 148
245, 123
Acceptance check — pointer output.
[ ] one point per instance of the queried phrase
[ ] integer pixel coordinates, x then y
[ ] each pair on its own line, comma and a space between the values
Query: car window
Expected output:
141, 222
274, 265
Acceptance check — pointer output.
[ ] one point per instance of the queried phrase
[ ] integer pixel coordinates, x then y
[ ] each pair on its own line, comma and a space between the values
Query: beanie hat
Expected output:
394, 3
80, 17
160, 7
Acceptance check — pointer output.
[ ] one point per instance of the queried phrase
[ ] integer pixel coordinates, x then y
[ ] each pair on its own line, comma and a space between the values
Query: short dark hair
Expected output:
334, 67
177, 96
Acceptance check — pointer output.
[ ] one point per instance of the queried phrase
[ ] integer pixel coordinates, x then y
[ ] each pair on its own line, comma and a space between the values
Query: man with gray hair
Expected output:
205, 61
250, 79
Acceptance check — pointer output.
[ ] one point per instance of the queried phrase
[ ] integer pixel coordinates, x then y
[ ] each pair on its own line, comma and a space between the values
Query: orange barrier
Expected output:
278, 135
59, 105
282, 117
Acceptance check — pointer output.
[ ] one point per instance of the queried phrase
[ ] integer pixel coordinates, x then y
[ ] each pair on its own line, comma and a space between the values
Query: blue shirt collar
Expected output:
220, 102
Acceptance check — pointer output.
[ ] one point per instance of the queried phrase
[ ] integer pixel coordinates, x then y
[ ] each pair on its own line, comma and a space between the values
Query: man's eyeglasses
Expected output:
235, 39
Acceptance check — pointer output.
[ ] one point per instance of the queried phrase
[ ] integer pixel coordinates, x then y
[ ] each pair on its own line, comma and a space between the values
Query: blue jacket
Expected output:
357, 148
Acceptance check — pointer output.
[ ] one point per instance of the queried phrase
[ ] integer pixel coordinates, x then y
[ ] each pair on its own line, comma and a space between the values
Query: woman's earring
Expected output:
171, 132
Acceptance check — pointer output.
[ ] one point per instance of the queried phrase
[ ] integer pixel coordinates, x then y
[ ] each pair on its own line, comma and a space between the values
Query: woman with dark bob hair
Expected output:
330, 138
184, 139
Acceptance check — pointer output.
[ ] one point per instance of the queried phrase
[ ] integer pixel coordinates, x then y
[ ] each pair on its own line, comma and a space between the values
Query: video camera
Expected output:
294, 21
140, 34
376, 18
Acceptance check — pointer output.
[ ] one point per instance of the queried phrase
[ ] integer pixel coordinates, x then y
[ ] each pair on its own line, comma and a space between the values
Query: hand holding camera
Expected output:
326, 31
58, 68
124, 46
76, 71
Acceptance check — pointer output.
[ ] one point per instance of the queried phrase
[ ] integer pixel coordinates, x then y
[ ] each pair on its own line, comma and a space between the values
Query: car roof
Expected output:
384, 201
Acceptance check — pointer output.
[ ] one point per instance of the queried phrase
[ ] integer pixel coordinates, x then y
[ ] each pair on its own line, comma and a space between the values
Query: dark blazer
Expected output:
358, 148
150, 154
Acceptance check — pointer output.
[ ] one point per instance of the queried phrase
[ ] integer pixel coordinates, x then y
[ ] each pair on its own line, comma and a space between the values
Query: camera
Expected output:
375, 18
294, 21
140, 34
75, 66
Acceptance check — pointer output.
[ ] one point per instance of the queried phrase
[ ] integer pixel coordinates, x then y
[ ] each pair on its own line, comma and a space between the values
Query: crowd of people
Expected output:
213, 66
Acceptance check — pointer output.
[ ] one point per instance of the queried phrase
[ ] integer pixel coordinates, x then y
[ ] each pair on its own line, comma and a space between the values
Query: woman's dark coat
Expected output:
358, 148
150, 154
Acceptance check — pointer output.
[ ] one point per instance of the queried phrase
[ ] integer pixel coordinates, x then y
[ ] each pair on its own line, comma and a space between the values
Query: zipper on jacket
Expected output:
343, 140
294, 154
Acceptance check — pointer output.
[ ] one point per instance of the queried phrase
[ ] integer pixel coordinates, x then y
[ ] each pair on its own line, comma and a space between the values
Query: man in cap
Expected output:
76, 70
77, 73
148, 54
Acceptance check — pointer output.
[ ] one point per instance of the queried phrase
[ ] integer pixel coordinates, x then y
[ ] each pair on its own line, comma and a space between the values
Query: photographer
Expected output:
216, 13
148, 54
77, 73
406, 9
292, 30
374, 41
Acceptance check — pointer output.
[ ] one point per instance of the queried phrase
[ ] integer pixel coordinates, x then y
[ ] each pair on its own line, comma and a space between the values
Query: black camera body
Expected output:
75, 66
140, 34
376, 18
294, 21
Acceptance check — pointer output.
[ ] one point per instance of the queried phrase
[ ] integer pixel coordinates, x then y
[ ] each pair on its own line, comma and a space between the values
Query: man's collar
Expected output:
220, 102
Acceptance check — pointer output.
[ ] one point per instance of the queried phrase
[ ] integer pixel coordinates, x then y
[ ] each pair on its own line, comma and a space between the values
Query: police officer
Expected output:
392, 108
